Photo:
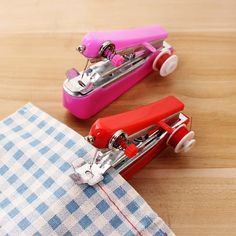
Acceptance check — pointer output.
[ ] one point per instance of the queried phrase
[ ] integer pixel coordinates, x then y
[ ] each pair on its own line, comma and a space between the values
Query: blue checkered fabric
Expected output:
37, 196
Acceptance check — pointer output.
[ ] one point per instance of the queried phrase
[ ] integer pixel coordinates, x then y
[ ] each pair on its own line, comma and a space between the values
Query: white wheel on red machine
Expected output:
186, 143
166, 67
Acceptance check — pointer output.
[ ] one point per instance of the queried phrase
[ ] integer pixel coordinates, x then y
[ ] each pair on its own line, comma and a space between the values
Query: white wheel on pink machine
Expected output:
167, 66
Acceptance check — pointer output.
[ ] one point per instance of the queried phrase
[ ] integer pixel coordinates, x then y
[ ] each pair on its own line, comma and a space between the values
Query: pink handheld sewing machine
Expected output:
119, 60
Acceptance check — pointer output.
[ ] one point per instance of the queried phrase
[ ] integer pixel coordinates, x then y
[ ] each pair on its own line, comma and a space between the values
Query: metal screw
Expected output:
89, 138
81, 48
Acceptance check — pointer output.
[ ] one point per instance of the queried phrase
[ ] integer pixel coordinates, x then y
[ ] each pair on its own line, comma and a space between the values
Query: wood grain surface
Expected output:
195, 193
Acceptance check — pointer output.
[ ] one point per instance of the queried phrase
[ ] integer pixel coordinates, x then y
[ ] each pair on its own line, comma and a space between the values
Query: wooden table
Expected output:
195, 193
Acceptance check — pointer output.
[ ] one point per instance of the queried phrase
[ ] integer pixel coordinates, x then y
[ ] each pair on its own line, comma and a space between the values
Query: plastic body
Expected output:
135, 120
86, 106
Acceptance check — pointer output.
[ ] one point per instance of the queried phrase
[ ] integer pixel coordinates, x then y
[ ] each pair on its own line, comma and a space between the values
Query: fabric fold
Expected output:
37, 196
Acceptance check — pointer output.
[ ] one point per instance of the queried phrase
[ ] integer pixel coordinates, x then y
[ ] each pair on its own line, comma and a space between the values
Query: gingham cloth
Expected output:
37, 196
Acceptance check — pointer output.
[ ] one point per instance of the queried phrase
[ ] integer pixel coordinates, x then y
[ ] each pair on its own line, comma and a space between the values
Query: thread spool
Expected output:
181, 139
161, 60
165, 63
131, 150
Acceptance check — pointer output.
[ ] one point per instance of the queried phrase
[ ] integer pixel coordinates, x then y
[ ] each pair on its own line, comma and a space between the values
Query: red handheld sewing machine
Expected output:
128, 141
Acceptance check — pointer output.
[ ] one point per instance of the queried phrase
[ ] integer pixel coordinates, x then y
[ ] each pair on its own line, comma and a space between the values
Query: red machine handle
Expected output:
133, 121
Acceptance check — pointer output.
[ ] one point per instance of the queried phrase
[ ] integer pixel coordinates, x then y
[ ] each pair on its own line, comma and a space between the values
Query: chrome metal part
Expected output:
106, 45
103, 73
89, 139
118, 134
81, 48
92, 173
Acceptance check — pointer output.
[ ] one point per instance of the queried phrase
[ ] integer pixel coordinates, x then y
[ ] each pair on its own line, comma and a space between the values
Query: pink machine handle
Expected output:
121, 38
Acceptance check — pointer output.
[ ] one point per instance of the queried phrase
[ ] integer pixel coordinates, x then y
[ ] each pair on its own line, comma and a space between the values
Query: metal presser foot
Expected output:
92, 173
